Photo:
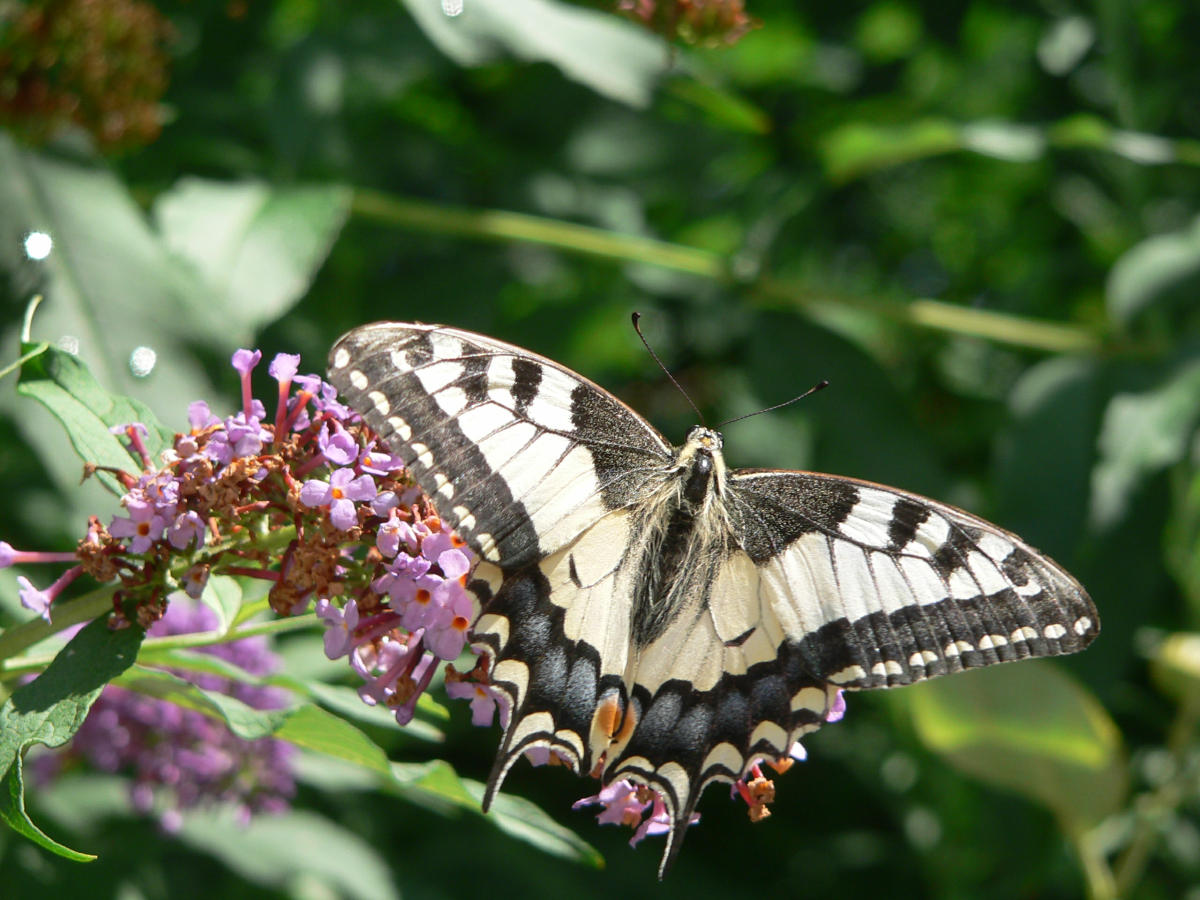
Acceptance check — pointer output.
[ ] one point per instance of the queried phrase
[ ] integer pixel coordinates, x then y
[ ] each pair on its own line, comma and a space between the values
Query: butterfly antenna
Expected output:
819, 386
650, 350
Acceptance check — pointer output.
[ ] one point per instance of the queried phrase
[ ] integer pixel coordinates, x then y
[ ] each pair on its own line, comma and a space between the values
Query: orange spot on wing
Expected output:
608, 716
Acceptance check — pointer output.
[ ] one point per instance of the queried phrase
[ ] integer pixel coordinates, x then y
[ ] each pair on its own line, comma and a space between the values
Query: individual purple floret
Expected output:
626, 803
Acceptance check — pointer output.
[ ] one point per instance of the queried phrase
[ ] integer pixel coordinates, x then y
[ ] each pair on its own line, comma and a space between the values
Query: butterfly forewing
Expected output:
519, 454
885, 588
654, 618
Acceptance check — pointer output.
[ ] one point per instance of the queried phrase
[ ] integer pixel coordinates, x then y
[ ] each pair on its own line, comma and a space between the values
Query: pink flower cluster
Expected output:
397, 646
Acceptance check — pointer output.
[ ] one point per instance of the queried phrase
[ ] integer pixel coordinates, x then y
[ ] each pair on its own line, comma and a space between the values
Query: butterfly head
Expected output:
700, 458
701, 437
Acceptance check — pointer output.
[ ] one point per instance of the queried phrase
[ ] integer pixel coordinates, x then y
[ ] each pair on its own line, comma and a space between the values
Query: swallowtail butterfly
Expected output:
654, 615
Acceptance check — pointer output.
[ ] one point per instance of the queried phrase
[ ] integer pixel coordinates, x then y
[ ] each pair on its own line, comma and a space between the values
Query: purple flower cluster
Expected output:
178, 758
396, 647
203, 507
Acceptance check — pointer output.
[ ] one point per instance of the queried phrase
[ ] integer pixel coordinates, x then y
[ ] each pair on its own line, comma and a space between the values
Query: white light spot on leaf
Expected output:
38, 245
142, 361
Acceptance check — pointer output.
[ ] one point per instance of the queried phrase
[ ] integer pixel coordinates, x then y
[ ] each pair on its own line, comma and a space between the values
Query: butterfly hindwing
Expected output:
558, 637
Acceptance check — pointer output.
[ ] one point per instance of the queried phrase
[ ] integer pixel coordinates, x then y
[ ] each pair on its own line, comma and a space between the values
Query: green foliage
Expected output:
50, 709
978, 221
63, 385
1030, 729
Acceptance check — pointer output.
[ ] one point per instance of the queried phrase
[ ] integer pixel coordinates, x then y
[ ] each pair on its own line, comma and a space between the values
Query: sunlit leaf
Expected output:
256, 246
611, 56
1028, 728
277, 850
243, 720
1176, 665
223, 595
106, 266
316, 729
862, 147
306, 726
86, 411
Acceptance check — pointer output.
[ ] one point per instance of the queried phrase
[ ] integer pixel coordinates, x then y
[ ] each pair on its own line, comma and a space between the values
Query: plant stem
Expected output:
500, 225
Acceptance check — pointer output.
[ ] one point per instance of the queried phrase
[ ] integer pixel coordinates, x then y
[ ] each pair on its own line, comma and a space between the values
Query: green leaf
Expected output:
433, 784
109, 283
1142, 434
1042, 486
64, 386
276, 850
1175, 664
723, 108
12, 810
859, 148
612, 57
1182, 535
256, 246
305, 726
1028, 728
223, 595
1004, 140
110, 289
83, 802
1163, 270
346, 702
50, 709
315, 729
245, 721
888, 31
526, 821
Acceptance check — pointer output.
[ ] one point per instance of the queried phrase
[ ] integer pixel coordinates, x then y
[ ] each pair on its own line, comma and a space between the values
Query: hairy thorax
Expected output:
681, 536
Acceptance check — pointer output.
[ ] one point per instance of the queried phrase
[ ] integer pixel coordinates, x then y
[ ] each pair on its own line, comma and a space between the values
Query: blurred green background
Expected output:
978, 220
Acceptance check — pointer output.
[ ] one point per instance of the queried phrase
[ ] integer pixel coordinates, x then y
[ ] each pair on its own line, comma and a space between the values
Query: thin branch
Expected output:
500, 225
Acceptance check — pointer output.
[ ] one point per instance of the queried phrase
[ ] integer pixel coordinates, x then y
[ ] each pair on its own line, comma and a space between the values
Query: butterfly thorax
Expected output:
682, 536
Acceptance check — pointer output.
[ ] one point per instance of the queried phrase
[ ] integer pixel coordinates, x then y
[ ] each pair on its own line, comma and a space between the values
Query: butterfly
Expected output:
650, 613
